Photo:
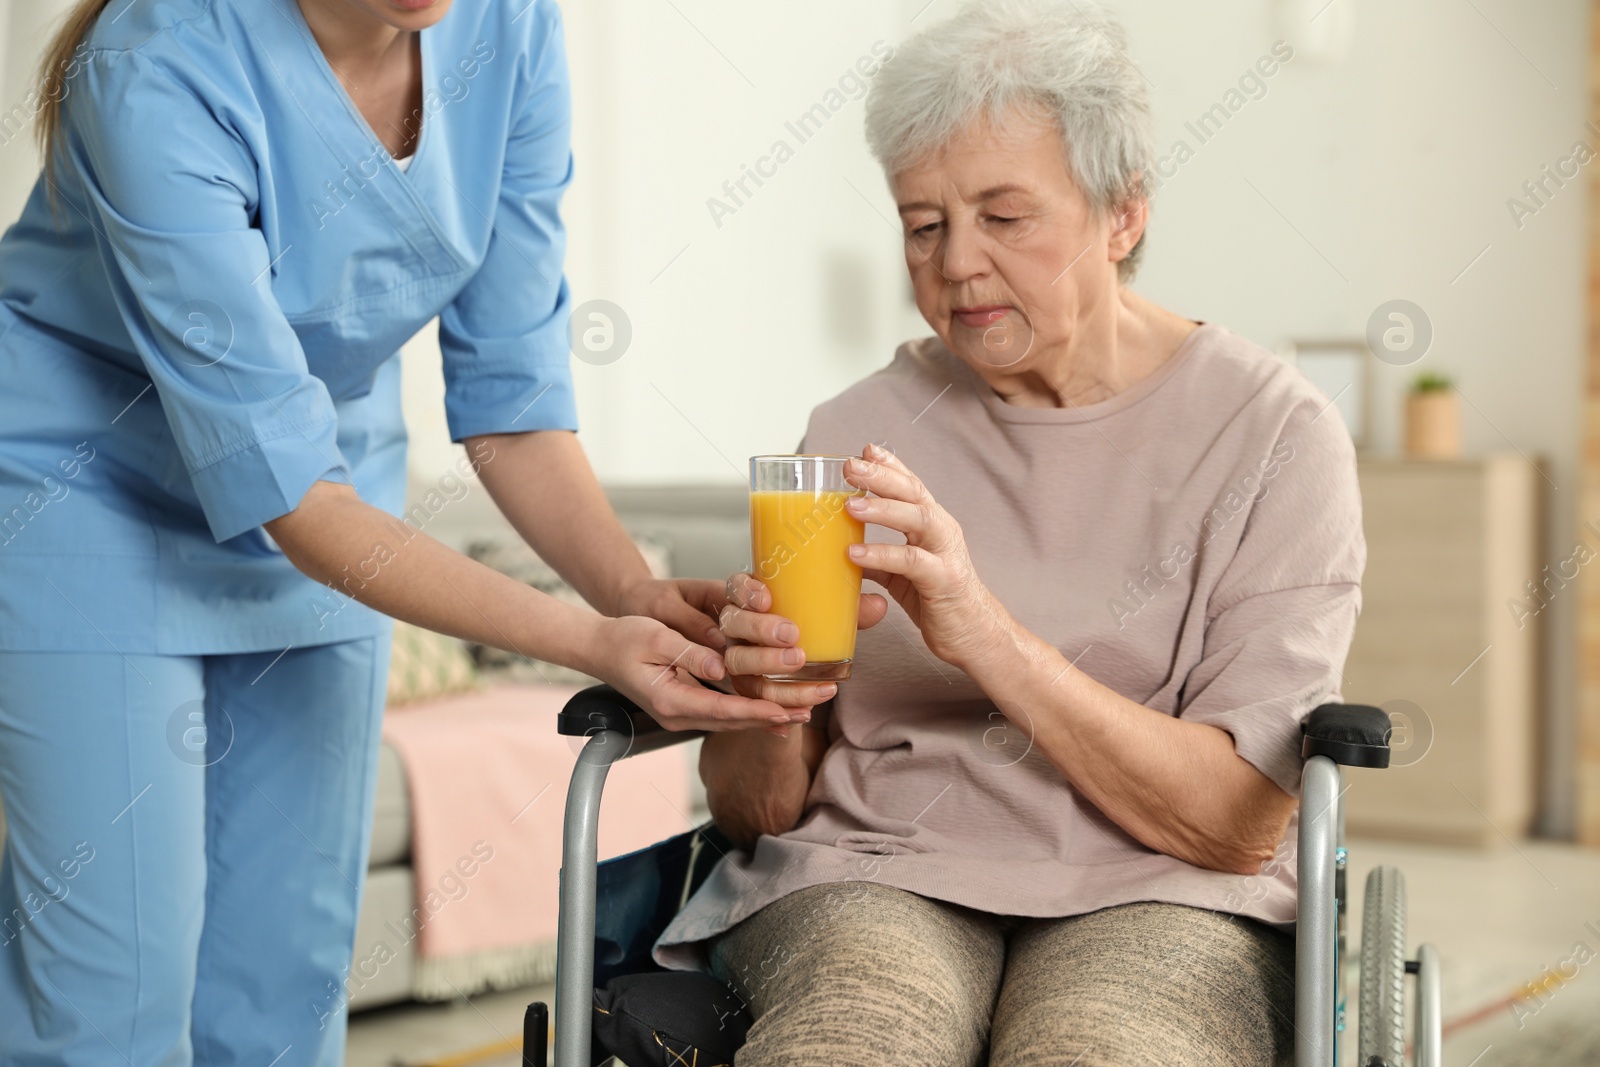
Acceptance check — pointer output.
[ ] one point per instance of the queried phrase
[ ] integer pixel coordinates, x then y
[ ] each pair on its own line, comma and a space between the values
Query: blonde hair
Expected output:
55, 69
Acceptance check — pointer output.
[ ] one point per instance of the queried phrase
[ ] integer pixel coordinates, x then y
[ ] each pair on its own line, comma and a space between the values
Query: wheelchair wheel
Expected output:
1383, 970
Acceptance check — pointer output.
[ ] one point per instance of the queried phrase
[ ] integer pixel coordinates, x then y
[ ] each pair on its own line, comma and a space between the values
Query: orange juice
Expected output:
799, 541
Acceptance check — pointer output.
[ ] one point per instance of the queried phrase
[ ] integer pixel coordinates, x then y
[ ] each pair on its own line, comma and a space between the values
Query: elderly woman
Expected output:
1048, 819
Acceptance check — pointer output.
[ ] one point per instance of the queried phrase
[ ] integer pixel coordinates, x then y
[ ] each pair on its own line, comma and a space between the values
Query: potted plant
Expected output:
1433, 418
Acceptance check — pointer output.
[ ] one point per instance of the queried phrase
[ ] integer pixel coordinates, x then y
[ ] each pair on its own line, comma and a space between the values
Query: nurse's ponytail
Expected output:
61, 63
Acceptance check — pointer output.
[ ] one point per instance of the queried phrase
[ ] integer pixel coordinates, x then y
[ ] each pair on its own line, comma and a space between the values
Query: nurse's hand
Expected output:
688, 605
655, 668
761, 643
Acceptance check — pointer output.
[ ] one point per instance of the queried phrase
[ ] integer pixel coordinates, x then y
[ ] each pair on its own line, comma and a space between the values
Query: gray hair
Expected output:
1066, 59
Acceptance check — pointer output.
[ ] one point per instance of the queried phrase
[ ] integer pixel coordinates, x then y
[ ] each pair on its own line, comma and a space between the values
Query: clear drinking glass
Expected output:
800, 534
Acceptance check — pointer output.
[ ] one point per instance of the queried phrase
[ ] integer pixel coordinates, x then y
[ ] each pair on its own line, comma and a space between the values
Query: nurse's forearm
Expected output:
543, 484
370, 556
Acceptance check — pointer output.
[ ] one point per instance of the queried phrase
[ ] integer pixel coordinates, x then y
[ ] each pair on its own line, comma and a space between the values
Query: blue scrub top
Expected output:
209, 321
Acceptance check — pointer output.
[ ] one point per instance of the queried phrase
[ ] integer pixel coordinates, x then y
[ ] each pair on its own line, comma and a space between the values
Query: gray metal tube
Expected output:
1315, 920
1428, 1036
575, 935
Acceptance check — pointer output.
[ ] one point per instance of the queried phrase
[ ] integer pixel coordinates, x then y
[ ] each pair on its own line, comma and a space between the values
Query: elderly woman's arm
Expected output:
758, 784
1176, 785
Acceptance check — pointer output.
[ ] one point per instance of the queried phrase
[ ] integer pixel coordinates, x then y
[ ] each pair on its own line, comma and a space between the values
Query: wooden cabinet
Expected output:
1449, 638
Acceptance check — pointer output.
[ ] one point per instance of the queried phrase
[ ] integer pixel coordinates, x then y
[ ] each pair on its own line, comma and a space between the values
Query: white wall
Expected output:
24, 29
747, 328
1394, 165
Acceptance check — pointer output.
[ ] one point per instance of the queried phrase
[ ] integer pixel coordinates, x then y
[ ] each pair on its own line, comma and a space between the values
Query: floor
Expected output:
1528, 913
481, 1032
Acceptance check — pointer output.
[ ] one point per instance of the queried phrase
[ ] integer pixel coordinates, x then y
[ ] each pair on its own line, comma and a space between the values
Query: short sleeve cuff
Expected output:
515, 398
1267, 735
1271, 658
268, 479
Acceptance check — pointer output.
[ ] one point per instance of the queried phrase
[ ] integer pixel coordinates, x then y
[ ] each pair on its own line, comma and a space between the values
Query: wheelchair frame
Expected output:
1335, 734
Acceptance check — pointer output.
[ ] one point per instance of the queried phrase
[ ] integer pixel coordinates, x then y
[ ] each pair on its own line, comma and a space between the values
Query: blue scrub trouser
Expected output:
186, 850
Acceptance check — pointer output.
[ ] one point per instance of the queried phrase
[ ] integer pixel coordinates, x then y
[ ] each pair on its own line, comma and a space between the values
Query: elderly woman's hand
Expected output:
930, 576
761, 643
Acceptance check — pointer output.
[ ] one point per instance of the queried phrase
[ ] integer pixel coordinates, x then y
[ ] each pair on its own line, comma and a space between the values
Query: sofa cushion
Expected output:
391, 812
708, 526
383, 967
424, 665
511, 556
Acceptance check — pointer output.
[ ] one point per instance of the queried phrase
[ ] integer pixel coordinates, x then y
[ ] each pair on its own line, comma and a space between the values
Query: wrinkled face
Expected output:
402, 14
1005, 252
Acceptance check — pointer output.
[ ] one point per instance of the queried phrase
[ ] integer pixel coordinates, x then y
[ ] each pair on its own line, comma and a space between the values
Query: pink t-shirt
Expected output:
1193, 542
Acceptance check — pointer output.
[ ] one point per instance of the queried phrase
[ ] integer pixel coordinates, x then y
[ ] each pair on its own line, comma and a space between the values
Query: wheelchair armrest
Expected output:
1354, 735
600, 707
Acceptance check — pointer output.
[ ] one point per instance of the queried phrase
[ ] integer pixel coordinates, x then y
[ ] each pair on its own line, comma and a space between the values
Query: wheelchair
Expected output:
1334, 735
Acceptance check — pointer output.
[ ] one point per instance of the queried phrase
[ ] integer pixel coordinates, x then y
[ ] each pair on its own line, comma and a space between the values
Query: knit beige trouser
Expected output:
858, 973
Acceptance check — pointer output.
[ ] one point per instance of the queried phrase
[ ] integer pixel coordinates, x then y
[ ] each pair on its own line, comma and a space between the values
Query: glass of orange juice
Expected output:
800, 535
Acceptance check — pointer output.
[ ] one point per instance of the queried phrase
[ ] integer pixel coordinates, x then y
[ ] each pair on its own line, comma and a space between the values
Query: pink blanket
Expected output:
488, 776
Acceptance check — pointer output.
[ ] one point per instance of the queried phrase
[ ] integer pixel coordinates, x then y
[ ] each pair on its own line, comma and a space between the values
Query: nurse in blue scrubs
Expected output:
248, 206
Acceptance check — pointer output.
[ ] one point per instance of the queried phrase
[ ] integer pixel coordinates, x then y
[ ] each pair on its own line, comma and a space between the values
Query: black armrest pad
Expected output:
601, 707
1355, 735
